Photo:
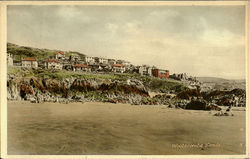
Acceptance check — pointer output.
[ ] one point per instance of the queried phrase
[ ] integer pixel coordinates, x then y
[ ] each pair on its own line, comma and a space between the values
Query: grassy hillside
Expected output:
20, 52
154, 84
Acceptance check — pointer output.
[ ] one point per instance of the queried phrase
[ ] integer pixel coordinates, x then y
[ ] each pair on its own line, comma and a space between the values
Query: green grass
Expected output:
59, 75
14, 70
158, 84
20, 52
154, 84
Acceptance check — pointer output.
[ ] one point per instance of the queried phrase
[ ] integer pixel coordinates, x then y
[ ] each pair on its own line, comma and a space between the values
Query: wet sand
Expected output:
104, 128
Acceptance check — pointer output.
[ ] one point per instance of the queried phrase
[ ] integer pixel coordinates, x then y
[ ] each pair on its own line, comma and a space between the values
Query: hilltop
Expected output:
22, 52
222, 84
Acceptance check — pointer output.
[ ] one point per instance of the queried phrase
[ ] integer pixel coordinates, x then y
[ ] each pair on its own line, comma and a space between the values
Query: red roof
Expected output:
118, 65
50, 61
29, 59
60, 52
80, 66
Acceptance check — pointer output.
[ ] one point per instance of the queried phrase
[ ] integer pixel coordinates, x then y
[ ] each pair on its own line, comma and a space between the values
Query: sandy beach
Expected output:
104, 128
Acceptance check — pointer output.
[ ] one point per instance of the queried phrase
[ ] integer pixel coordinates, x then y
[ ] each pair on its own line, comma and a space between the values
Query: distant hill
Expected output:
212, 79
222, 84
20, 52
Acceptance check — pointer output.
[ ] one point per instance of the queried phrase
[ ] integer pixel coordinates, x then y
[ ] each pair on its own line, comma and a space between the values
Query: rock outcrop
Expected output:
132, 91
78, 90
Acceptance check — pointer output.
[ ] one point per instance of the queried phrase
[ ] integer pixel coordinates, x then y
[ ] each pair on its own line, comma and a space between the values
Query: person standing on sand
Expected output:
229, 110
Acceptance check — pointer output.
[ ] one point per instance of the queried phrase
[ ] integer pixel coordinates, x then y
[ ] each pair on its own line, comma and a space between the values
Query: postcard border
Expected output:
3, 71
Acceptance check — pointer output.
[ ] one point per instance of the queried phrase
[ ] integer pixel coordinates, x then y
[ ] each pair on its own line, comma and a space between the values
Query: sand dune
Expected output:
104, 128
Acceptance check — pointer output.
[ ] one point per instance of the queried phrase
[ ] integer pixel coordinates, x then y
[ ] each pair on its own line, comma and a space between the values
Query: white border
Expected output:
3, 72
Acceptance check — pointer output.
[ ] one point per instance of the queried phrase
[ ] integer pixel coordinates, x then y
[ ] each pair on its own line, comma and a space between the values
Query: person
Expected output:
228, 111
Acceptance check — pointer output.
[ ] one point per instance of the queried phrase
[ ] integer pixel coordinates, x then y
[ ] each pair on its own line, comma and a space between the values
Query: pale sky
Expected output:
198, 40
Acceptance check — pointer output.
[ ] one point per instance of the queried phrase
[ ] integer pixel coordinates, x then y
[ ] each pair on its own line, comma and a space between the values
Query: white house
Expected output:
60, 55
9, 59
103, 61
145, 70
89, 60
118, 68
30, 63
53, 64
80, 68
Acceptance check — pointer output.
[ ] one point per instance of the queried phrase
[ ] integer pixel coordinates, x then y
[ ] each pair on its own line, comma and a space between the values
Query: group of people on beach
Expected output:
226, 113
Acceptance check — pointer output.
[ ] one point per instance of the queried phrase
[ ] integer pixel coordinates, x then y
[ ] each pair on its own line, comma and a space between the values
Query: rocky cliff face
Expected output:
66, 90
130, 91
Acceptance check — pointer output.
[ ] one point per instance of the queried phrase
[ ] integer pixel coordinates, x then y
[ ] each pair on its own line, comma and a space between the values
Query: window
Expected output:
162, 72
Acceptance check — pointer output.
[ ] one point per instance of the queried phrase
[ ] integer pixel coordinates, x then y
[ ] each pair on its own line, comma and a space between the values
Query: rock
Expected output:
189, 94
196, 105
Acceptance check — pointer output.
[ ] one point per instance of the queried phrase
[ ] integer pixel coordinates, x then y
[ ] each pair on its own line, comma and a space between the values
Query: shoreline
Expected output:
123, 104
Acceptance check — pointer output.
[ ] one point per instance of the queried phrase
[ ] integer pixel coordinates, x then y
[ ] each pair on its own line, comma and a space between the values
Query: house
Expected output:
41, 63
9, 59
96, 60
160, 73
67, 65
53, 64
74, 58
30, 63
126, 63
111, 62
60, 55
122, 62
145, 70
132, 69
102, 61
118, 68
89, 60
181, 76
80, 68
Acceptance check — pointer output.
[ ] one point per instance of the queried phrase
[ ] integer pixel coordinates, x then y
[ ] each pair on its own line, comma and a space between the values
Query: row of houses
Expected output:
88, 64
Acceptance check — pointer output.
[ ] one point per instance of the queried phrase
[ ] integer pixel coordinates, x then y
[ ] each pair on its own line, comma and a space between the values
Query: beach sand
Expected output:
120, 129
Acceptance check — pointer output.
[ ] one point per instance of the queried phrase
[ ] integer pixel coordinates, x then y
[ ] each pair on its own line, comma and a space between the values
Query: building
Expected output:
67, 65
74, 58
9, 59
126, 63
145, 70
102, 61
160, 73
181, 76
41, 63
30, 63
122, 62
111, 61
53, 64
89, 60
60, 55
81, 68
96, 60
118, 68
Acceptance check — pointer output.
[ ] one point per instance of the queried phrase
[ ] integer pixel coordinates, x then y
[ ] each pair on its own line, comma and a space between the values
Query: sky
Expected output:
198, 40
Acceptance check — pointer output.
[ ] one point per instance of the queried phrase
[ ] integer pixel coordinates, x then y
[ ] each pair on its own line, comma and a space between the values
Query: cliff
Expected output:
38, 85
